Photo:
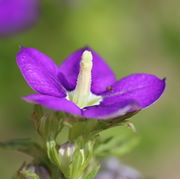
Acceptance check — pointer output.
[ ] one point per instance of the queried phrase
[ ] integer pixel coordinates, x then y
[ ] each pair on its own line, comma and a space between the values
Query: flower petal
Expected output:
54, 103
105, 112
40, 72
17, 15
102, 75
144, 88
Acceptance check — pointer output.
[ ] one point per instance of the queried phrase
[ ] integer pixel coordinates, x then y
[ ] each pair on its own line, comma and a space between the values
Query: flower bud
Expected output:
66, 155
74, 159
35, 170
67, 149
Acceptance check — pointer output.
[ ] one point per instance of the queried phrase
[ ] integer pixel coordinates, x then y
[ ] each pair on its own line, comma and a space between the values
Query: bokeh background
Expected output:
132, 36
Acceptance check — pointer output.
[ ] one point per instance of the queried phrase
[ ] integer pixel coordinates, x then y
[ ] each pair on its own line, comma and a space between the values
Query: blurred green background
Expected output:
132, 36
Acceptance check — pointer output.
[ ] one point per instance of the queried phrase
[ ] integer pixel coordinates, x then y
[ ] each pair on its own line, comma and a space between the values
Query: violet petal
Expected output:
102, 75
105, 112
143, 88
54, 103
40, 72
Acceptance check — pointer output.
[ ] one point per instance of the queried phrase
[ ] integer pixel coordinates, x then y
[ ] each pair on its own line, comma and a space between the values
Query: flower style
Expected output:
16, 15
84, 85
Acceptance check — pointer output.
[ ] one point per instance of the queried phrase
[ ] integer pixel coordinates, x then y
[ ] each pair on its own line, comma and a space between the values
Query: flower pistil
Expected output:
82, 95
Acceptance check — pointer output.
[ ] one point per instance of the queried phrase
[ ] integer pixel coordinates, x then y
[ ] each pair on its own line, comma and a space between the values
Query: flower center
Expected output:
82, 95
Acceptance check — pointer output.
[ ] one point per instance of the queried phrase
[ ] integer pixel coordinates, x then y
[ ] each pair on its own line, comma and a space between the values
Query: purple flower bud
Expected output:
17, 15
67, 149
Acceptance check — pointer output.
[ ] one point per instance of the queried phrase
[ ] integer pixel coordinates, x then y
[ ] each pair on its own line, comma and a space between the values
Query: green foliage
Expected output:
26, 146
85, 141
113, 143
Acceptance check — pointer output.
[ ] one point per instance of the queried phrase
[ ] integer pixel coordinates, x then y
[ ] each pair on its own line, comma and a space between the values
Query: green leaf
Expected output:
23, 145
93, 173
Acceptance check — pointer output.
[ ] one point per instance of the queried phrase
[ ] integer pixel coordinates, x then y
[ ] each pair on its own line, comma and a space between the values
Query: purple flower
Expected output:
16, 15
84, 85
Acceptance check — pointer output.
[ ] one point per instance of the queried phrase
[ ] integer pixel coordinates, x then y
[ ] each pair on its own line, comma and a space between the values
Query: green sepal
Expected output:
52, 153
49, 124
82, 157
79, 126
